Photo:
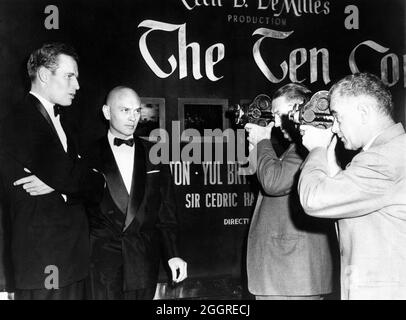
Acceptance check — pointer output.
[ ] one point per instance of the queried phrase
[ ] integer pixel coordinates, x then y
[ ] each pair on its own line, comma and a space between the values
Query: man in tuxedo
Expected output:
368, 196
289, 255
137, 214
45, 183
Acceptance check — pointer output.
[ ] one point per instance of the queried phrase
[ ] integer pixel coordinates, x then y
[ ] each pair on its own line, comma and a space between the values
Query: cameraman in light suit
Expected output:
289, 255
369, 196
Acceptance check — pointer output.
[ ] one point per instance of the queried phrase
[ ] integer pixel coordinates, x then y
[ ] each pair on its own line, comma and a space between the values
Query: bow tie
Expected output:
57, 110
119, 142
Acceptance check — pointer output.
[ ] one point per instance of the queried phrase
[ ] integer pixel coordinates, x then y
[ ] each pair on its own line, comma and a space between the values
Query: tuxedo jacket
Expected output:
288, 253
369, 199
129, 230
45, 230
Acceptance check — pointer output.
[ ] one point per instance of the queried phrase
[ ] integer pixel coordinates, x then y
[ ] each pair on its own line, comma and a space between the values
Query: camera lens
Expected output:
263, 102
322, 104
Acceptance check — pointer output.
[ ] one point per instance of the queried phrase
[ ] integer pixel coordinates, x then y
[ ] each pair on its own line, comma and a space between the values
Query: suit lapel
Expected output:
114, 181
138, 183
38, 105
291, 148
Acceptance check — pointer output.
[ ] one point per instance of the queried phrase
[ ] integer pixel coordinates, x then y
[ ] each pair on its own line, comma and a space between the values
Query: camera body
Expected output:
315, 112
258, 112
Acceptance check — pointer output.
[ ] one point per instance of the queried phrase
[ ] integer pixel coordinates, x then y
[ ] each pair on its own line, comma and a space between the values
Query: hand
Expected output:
33, 185
257, 133
333, 167
315, 137
178, 264
250, 147
6, 295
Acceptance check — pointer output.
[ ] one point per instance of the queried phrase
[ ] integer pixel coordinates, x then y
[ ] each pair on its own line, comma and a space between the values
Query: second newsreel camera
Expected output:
315, 112
257, 112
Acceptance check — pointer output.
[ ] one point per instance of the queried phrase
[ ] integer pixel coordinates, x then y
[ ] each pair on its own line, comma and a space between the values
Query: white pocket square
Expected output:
153, 171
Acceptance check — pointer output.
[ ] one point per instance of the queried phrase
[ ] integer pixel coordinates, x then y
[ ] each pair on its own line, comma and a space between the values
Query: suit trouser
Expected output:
74, 291
109, 286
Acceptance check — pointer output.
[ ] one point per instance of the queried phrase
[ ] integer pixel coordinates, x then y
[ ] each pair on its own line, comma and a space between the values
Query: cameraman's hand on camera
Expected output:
315, 137
333, 167
257, 133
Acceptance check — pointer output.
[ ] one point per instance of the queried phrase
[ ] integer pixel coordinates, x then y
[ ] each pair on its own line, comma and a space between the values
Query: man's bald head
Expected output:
123, 111
118, 93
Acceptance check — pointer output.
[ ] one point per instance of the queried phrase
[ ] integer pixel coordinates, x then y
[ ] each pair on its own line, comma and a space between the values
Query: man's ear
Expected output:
106, 112
43, 74
365, 112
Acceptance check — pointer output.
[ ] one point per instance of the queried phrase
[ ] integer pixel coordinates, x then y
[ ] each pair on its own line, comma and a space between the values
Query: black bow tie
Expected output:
119, 142
57, 110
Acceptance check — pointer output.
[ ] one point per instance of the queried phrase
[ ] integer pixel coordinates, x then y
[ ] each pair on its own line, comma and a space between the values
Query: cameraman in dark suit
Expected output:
137, 214
45, 182
289, 255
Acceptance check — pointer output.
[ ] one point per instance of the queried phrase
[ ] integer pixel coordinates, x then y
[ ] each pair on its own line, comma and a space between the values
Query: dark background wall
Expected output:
106, 36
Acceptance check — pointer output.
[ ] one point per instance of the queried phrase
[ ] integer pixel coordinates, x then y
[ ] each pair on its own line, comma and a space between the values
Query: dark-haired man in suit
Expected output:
46, 183
289, 255
137, 213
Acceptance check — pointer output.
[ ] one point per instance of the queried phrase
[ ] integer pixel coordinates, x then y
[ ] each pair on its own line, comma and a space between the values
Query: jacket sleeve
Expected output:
168, 223
277, 176
363, 187
65, 175
37, 151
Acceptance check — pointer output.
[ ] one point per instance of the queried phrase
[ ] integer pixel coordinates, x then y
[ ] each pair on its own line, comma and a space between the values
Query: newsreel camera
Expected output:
257, 112
315, 112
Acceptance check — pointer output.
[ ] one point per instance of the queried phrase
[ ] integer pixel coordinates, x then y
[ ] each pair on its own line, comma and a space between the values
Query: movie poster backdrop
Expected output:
190, 60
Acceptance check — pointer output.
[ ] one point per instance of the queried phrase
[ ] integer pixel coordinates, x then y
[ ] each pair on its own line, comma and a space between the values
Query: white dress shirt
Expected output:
49, 107
124, 156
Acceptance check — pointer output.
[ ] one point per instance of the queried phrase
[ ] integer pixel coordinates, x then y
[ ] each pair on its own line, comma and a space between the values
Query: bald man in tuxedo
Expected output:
137, 215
